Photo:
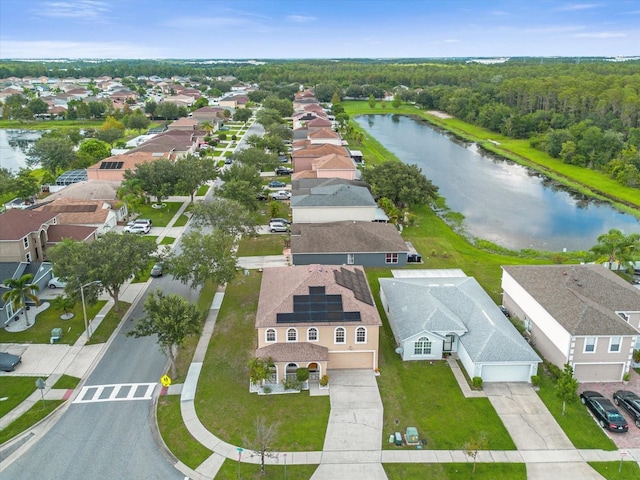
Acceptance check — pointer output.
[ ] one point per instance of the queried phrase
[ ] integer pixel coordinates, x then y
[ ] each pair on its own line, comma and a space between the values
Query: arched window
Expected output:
422, 346
312, 334
270, 335
340, 335
292, 335
361, 335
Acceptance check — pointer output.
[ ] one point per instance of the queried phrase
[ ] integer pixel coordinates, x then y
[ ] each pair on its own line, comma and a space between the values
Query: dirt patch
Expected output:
439, 114
631, 439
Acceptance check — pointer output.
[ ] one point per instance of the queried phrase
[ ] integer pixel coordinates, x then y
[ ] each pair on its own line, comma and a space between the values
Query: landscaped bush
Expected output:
476, 382
302, 374
292, 383
324, 381
554, 372
535, 380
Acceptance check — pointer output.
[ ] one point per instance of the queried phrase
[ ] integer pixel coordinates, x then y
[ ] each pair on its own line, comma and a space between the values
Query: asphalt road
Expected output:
111, 439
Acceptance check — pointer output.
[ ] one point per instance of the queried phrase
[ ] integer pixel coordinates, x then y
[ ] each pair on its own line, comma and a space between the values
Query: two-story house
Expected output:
584, 315
23, 234
317, 317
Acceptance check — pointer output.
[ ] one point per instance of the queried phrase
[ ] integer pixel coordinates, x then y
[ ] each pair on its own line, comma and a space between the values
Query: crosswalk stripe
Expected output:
136, 391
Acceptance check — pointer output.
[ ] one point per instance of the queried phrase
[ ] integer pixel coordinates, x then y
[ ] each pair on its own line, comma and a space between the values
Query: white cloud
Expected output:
72, 49
82, 9
300, 18
572, 7
600, 35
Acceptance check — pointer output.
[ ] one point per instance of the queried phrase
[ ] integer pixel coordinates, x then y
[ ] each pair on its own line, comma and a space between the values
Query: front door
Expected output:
447, 344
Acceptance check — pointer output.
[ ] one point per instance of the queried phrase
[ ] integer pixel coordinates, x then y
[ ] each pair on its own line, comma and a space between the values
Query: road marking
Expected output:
118, 392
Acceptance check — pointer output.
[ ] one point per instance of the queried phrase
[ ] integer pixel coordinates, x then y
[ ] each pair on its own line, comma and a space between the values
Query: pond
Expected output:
14, 146
503, 202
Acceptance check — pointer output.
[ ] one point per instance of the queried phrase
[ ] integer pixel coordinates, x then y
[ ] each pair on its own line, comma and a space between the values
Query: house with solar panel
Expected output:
318, 317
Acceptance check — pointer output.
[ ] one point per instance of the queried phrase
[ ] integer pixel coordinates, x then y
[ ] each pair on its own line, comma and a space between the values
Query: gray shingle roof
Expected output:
454, 305
582, 298
346, 237
333, 196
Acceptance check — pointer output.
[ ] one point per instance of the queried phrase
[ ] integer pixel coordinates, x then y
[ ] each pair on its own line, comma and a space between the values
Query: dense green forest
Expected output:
585, 112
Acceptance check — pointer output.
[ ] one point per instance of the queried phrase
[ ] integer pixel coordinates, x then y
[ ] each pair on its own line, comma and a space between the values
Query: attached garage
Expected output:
598, 372
351, 359
507, 373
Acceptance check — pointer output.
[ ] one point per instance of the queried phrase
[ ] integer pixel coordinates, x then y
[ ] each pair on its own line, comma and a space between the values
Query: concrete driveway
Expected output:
352, 445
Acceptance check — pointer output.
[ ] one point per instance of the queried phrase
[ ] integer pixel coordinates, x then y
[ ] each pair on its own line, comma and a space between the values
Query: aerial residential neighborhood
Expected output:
423, 262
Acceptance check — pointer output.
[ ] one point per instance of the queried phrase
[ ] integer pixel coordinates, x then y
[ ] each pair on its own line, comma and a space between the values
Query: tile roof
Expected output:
318, 150
77, 211
346, 237
333, 162
582, 298
319, 122
280, 284
294, 352
16, 224
459, 305
324, 133
80, 233
89, 190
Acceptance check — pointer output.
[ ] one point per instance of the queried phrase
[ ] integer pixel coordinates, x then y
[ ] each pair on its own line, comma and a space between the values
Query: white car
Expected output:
137, 228
278, 227
55, 282
140, 221
281, 195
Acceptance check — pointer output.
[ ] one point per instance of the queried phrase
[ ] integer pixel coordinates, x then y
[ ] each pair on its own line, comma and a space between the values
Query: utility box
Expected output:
56, 335
398, 439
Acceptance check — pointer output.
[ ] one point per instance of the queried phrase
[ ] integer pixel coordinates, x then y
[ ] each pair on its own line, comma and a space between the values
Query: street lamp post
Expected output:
84, 308
285, 466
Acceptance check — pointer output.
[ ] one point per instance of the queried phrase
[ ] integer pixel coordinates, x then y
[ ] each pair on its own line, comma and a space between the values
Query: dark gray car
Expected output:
9, 361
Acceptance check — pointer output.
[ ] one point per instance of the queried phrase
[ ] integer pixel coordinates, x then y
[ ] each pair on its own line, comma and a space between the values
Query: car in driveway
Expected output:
281, 195
137, 228
55, 282
278, 227
8, 361
140, 221
276, 184
156, 270
629, 401
281, 220
283, 171
604, 411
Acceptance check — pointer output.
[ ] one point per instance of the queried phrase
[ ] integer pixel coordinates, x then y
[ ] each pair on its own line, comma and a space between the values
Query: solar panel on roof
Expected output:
317, 307
111, 165
354, 281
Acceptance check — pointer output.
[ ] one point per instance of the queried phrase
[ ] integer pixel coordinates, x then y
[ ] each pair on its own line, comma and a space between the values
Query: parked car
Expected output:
283, 158
284, 171
228, 161
629, 401
604, 411
140, 221
276, 184
282, 220
261, 196
55, 282
8, 361
281, 195
156, 270
278, 227
504, 310
137, 228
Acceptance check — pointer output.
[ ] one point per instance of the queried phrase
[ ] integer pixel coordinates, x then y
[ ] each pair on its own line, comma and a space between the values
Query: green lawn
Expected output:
67, 382
109, 323
159, 216
202, 190
175, 433
169, 240
577, 423
223, 402
50, 319
261, 245
28, 419
610, 470
16, 389
229, 471
455, 471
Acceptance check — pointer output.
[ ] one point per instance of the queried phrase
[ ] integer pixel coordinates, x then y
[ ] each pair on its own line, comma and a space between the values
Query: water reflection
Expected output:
14, 147
502, 202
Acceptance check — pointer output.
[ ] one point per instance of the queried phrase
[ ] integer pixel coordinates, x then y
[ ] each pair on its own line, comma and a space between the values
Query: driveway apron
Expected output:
352, 445
532, 427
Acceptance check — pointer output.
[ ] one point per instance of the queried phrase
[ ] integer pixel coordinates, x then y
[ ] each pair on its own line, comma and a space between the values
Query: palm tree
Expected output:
207, 127
615, 246
20, 290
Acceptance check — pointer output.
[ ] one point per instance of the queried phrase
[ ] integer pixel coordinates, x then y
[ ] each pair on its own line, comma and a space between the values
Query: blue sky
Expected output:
317, 29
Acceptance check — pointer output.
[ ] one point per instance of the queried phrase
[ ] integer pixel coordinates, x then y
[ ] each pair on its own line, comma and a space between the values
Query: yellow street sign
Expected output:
165, 380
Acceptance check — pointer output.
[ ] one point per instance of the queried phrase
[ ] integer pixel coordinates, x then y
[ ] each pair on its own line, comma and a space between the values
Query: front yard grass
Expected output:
176, 436
109, 323
609, 470
577, 423
261, 245
229, 471
28, 419
454, 471
159, 216
223, 402
67, 382
49, 319
16, 390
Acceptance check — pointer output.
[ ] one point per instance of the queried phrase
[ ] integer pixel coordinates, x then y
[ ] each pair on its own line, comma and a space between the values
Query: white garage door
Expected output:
605, 372
506, 373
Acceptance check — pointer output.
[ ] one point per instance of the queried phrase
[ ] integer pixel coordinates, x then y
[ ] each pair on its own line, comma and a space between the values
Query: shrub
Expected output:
266, 390
636, 355
324, 381
476, 382
554, 371
292, 383
222, 136
302, 374
234, 138
626, 377
535, 380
